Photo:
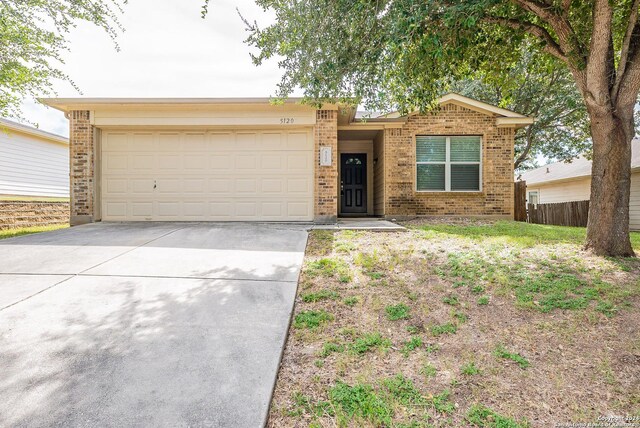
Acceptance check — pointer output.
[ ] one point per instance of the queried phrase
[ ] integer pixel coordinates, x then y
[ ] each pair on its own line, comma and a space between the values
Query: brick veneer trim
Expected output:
326, 177
14, 214
81, 158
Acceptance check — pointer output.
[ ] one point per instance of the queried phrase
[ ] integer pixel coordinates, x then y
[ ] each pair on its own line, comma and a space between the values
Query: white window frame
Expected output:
447, 165
537, 193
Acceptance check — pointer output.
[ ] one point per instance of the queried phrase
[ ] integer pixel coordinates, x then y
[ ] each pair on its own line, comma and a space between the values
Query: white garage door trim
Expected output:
216, 175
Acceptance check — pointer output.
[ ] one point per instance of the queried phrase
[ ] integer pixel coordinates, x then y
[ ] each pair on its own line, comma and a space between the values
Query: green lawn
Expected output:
460, 323
10, 233
524, 235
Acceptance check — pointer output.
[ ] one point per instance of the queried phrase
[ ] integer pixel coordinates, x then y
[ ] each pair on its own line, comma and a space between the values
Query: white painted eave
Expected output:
81, 103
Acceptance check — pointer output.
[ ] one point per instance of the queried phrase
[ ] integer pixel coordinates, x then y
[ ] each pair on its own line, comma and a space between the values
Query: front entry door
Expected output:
353, 183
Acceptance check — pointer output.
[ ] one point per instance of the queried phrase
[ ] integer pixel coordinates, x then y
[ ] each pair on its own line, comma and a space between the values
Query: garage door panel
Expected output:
195, 209
115, 210
299, 209
271, 161
171, 161
273, 209
115, 186
169, 209
142, 142
246, 209
169, 142
220, 186
194, 185
141, 162
142, 186
116, 163
115, 142
220, 162
247, 142
246, 185
272, 141
169, 185
195, 162
217, 176
196, 142
221, 141
220, 210
142, 209
298, 141
271, 185
246, 161
298, 162
299, 186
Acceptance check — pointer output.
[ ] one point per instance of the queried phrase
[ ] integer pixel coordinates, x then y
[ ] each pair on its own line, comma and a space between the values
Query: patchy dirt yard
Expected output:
460, 324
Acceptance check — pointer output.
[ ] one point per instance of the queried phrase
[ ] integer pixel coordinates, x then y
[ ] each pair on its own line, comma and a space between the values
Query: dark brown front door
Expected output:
353, 183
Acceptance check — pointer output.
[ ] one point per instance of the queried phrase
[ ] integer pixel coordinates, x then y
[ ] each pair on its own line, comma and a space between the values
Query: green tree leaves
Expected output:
32, 41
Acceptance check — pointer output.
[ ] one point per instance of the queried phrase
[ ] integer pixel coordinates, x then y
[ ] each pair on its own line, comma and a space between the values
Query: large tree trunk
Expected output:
608, 225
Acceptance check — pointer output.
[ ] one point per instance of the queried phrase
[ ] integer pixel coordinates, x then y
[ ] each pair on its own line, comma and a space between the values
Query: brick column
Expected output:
81, 158
326, 177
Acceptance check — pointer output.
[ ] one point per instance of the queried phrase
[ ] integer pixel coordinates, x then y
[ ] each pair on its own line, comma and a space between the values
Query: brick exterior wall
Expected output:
326, 177
82, 158
496, 197
15, 214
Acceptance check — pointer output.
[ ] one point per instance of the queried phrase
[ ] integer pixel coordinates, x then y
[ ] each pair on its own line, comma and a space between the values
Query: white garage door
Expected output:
220, 176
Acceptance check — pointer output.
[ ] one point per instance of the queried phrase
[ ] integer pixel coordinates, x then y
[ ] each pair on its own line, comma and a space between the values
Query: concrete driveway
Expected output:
145, 324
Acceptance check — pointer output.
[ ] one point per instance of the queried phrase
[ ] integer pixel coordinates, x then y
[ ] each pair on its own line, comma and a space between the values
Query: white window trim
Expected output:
447, 165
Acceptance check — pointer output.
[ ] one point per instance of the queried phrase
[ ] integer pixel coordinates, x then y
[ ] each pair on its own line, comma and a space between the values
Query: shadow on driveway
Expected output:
111, 350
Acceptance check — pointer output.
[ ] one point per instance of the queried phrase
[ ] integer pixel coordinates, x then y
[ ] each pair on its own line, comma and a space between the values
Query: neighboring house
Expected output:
249, 159
34, 176
571, 181
33, 163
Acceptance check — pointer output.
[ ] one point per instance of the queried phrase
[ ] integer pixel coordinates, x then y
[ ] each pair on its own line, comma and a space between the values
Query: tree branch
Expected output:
632, 28
551, 46
525, 152
567, 40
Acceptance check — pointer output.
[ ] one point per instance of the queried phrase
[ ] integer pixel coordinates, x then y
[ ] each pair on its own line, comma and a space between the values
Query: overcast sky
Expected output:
167, 50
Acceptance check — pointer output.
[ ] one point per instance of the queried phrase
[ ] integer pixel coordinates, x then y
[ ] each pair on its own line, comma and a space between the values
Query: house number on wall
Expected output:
325, 156
286, 120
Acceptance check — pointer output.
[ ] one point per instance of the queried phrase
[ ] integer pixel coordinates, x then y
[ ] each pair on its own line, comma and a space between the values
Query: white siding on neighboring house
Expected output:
562, 191
634, 202
32, 166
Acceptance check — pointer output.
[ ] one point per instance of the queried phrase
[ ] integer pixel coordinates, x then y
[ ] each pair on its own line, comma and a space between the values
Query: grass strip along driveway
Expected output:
11, 233
460, 324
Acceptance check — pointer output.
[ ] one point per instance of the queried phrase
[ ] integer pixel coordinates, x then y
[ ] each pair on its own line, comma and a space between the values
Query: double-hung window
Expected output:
448, 163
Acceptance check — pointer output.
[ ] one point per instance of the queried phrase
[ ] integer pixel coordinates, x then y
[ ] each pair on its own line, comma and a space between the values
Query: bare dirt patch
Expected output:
460, 324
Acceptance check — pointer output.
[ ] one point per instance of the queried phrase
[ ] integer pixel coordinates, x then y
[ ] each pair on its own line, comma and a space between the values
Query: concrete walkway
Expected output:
147, 324
372, 224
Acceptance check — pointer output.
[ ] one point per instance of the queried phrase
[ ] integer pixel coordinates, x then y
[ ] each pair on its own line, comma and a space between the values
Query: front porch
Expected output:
360, 163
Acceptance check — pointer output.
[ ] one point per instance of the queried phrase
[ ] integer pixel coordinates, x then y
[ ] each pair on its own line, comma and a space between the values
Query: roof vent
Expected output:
548, 170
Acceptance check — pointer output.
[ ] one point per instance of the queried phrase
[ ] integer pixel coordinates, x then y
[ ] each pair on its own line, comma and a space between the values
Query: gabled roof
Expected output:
479, 106
504, 117
10, 125
577, 168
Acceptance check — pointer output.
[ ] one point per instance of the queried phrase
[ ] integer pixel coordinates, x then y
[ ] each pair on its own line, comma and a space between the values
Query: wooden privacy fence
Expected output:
560, 214
520, 201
